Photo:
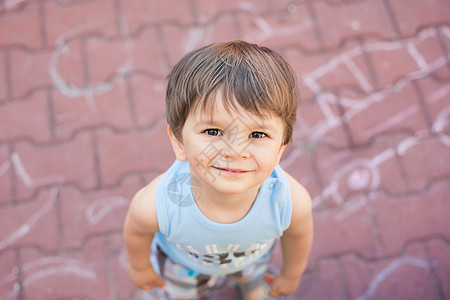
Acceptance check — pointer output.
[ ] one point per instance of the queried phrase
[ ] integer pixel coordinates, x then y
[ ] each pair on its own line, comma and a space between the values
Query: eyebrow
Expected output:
224, 124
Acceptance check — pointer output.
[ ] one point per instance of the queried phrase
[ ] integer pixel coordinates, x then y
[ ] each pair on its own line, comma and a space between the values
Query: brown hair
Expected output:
255, 78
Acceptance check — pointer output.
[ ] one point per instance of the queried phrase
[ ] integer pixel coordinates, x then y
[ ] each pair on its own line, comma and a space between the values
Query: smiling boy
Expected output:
217, 212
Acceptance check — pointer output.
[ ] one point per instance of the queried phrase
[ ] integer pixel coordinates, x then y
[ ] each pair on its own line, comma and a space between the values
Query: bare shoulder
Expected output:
301, 204
142, 211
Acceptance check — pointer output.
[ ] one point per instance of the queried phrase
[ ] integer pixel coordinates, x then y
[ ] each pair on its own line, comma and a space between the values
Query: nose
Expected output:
234, 150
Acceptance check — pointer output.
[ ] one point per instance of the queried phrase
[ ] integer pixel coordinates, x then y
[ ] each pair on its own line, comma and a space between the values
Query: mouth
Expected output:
231, 170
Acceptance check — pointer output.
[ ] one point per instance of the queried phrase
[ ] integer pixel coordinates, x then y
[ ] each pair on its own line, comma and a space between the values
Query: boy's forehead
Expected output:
226, 116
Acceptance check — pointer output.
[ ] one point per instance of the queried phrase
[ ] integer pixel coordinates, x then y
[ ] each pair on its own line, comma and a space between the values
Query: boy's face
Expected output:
230, 151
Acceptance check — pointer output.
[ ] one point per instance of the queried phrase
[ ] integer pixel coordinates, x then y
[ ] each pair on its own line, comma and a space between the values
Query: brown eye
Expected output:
213, 132
257, 135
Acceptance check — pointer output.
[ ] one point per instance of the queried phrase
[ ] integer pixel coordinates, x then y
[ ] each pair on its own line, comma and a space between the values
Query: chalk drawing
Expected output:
440, 93
56, 266
7, 281
266, 31
390, 122
364, 173
356, 106
25, 229
381, 276
26, 178
88, 92
100, 208
5, 166
9, 4
38, 270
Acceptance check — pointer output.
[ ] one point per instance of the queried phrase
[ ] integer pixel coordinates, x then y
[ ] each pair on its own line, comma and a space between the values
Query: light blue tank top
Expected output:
191, 239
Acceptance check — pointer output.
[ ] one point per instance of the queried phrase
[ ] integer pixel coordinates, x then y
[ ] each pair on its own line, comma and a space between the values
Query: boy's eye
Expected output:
213, 132
258, 135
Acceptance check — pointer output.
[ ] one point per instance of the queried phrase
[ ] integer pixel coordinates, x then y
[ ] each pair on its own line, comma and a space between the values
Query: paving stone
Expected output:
4, 88
392, 62
36, 126
328, 71
339, 22
124, 287
65, 19
439, 252
81, 274
111, 60
322, 283
82, 86
430, 52
20, 26
95, 213
411, 218
137, 14
109, 106
385, 279
29, 71
118, 152
356, 173
33, 223
380, 113
41, 166
298, 164
425, 156
6, 175
425, 13
277, 31
336, 233
149, 100
212, 8
319, 122
435, 94
147, 54
66, 66
9, 272
179, 40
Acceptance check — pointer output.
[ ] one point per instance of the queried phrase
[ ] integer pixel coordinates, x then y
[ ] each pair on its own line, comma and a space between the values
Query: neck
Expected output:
224, 207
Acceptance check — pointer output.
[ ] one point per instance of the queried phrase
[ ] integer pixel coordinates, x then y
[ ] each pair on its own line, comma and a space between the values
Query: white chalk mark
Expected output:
26, 227
381, 276
392, 121
8, 281
359, 178
442, 120
26, 178
98, 209
266, 30
4, 167
440, 93
415, 54
446, 31
351, 208
70, 90
356, 106
407, 143
20, 170
9, 4
45, 267
371, 181
363, 82
194, 38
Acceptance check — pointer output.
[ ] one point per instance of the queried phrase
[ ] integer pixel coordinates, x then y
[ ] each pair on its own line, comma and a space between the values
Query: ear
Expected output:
280, 152
177, 145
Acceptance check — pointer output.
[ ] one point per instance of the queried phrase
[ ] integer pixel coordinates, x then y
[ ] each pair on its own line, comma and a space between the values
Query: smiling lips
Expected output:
231, 171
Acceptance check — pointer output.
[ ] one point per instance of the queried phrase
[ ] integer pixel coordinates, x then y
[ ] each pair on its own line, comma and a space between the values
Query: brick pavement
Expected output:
82, 128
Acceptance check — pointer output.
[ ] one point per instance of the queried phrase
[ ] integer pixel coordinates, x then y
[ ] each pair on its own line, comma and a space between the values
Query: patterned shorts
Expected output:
186, 284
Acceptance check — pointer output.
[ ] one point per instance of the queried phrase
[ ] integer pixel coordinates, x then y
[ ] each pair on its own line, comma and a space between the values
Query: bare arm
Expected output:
296, 242
140, 224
